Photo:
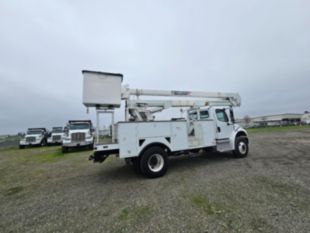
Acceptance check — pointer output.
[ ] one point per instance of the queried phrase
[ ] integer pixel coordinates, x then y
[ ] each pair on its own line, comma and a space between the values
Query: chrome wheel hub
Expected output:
155, 162
242, 146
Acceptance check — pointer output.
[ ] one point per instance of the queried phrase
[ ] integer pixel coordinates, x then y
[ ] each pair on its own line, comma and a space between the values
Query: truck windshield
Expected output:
79, 126
57, 130
33, 132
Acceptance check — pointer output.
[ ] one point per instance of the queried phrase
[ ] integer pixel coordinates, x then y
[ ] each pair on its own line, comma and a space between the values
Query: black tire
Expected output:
154, 162
21, 147
241, 147
64, 149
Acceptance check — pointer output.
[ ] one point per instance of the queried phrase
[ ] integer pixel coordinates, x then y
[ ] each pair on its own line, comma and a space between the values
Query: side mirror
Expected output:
232, 116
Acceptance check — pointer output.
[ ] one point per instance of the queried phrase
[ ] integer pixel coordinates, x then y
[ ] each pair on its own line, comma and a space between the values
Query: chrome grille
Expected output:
56, 138
78, 137
30, 139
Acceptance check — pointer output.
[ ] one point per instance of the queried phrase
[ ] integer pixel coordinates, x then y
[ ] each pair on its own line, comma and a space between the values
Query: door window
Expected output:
221, 115
204, 115
193, 116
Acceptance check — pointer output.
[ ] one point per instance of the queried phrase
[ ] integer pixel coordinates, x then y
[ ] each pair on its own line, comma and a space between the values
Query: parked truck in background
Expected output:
146, 143
34, 137
55, 136
78, 133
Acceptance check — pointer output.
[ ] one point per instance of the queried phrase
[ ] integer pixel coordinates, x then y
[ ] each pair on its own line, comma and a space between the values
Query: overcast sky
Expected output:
260, 49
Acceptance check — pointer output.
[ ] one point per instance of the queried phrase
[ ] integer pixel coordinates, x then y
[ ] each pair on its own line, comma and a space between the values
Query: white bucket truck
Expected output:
147, 143
78, 133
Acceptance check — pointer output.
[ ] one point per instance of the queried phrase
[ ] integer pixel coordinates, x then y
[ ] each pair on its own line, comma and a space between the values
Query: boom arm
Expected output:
232, 99
142, 110
104, 91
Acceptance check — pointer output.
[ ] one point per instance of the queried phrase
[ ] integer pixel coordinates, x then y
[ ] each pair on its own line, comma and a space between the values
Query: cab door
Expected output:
223, 123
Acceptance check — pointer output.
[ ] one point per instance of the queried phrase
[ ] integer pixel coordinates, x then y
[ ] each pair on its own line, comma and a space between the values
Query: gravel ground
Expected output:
42, 190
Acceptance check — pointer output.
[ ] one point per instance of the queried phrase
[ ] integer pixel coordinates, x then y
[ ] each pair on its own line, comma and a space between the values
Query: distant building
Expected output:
276, 120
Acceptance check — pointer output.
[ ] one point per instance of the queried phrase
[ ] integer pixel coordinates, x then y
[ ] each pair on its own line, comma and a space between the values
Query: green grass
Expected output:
35, 155
51, 156
203, 203
8, 148
273, 129
39, 154
14, 190
135, 212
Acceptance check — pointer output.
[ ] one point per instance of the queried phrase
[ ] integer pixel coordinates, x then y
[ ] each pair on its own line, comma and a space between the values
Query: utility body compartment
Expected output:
133, 137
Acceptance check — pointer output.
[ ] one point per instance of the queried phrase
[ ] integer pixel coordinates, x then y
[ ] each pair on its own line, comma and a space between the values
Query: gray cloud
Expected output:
260, 49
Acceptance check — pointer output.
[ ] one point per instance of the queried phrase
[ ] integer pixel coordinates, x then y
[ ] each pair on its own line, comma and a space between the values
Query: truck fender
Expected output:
150, 142
238, 133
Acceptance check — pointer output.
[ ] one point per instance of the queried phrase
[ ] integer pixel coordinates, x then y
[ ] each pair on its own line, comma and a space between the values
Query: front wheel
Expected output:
241, 147
154, 162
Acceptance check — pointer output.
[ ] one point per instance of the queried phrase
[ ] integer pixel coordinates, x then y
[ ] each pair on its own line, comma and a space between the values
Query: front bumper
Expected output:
54, 141
77, 144
24, 143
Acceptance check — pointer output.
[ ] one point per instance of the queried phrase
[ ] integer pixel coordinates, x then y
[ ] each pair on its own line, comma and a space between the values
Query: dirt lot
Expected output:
42, 190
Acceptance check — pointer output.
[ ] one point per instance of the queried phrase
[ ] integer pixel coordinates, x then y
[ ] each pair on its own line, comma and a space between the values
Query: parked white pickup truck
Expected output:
55, 136
34, 137
78, 133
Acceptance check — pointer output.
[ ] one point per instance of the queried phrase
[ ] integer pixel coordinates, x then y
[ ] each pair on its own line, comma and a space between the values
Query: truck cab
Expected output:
78, 133
55, 136
34, 137
218, 122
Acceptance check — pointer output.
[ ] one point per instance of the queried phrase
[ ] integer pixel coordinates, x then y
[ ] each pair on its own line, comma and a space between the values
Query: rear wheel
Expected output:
21, 147
241, 147
153, 162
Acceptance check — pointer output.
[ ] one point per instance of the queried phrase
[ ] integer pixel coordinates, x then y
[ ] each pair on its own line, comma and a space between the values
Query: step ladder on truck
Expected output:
147, 143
